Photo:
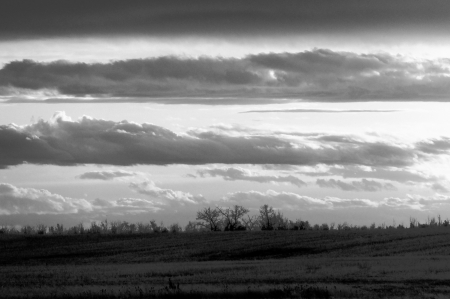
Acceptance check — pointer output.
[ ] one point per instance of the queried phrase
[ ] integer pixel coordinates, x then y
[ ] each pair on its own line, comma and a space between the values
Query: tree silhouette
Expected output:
232, 217
266, 215
211, 217
279, 222
251, 222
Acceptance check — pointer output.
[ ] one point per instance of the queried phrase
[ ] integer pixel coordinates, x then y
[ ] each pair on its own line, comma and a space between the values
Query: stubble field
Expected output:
401, 263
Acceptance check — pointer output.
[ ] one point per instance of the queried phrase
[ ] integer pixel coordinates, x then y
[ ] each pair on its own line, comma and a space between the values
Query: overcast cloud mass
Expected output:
52, 18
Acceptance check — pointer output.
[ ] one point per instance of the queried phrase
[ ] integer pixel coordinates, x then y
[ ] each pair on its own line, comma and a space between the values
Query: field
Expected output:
380, 263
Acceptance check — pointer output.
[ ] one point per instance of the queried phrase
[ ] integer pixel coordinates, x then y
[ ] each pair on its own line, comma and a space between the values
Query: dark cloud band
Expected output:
53, 18
316, 75
61, 141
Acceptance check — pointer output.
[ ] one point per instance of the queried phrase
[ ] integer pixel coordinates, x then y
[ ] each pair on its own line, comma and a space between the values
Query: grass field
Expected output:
402, 263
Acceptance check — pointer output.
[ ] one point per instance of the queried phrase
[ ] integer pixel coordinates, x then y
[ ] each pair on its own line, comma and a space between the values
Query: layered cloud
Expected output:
417, 202
127, 205
435, 146
319, 111
16, 200
62, 141
296, 201
319, 74
106, 175
241, 174
401, 175
363, 185
438, 187
275, 199
300, 202
22, 201
166, 196
156, 199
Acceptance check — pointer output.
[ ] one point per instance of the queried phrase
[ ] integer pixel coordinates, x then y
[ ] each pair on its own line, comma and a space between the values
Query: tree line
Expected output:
235, 218
103, 227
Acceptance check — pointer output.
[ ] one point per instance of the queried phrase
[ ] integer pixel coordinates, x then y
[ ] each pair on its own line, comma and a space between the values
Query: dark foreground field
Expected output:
409, 263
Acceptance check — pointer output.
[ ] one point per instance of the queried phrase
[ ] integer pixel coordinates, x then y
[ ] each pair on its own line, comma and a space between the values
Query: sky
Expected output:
329, 111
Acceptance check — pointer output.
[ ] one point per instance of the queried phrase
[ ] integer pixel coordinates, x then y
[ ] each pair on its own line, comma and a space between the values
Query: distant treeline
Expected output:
235, 218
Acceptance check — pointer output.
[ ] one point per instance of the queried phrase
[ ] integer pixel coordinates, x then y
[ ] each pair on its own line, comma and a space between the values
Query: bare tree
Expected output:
158, 228
143, 228
266, 216
211, 217
41, 229
413, 223
104, 226
251, 223
95, 228
232, 217
195, 226
279, 222
58, 230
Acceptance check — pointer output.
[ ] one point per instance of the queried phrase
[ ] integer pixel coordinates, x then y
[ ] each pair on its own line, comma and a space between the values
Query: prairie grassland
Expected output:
280, 264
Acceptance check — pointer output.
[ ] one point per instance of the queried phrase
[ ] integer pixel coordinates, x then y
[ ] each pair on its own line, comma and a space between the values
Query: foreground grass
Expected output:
379, 277
280, 264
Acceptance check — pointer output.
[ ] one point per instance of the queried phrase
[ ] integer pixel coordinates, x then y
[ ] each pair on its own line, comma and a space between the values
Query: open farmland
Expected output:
402, 263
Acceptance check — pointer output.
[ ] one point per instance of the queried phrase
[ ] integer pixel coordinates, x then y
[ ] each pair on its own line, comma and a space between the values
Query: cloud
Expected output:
363, 185
416, 202
335, 184
130, 202
50, 18
300, 202
439, 188
62, 141
294, 201
279, 167
166, 196
401, 175
103, 203
238, 173
175, 79
24, 201
126, 205
319, 111
435, 146
316, 75
16, 200
106, 175
275, 199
